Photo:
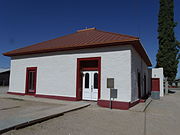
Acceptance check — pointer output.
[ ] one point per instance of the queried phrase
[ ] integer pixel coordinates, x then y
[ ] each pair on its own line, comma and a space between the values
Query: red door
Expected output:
155, 84
31, 74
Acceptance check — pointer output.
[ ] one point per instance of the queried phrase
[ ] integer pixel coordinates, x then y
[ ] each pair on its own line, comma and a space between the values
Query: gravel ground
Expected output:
11, 107
162, 118
92, 120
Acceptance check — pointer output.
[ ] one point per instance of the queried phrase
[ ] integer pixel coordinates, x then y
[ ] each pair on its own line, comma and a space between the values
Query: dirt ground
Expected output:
160, 118
163, 116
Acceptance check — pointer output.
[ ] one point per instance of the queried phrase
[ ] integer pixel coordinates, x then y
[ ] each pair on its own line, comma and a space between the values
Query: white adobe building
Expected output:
76, 67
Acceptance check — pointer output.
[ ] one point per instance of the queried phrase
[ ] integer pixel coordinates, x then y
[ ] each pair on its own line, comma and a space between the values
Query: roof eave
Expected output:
138, 47
97, 45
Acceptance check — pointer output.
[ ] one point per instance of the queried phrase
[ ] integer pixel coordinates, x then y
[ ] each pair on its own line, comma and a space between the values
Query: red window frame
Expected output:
28, 69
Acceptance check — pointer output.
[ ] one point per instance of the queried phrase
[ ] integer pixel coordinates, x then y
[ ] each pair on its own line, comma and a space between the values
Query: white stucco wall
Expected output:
56, 72
138, 65
158, 73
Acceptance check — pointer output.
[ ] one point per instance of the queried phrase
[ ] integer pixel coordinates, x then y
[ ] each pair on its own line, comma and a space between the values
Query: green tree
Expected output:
178, 46
167, 56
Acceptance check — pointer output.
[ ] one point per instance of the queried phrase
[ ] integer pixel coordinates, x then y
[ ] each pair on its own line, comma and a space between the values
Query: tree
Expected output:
178, 46
167, 56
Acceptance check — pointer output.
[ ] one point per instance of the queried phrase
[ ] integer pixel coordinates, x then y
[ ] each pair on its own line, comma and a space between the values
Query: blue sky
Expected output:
26, 22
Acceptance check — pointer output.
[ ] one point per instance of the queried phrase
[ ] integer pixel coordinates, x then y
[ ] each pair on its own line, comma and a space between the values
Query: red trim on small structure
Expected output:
56, 97
172, 87
117, 104
78, 76
16, 93
155, 84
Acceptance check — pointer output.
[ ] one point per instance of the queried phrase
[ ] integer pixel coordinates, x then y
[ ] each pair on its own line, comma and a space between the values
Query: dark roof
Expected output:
87, 38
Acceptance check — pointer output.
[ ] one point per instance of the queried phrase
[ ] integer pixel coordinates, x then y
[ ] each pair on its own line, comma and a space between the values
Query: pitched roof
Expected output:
87, 38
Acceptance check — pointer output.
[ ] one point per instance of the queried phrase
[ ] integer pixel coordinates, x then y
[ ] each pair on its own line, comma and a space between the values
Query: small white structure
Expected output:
158, 73
4, 76
77, 66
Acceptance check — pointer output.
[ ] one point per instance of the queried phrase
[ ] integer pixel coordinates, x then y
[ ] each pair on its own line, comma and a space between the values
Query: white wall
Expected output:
138, 65
56, 72
158, 73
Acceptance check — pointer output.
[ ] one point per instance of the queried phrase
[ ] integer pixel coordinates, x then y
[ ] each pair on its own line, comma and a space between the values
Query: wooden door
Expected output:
155, 84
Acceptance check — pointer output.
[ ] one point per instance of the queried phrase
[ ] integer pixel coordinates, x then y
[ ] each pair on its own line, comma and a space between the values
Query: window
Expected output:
96, 81
87, 80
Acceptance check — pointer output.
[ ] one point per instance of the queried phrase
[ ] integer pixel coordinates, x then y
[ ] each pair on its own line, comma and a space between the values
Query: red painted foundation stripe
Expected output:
117, 104
16, 93
131, 104
46, 96
57, 97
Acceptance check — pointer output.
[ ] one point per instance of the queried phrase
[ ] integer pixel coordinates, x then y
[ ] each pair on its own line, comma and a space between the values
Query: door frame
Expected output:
27, 80
78, 76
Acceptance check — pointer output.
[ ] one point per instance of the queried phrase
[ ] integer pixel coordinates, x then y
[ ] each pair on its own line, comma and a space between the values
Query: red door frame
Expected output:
27, 80
155, 86
78, 76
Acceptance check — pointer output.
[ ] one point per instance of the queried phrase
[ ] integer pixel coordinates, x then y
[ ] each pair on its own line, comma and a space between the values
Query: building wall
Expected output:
138, 65
56, 72
158, 73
